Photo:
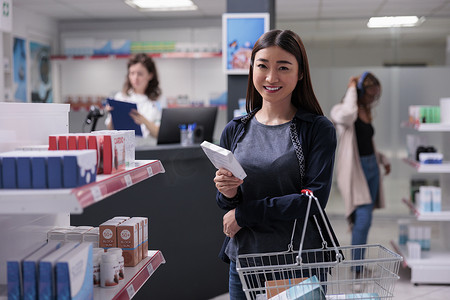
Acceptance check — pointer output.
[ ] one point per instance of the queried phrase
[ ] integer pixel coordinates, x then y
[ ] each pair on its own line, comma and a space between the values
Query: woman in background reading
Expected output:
142, 87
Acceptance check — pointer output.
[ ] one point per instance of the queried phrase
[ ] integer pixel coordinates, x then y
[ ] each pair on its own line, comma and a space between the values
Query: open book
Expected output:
223, 158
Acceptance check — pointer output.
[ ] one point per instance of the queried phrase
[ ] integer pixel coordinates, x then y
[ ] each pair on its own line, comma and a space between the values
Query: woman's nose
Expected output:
272, 76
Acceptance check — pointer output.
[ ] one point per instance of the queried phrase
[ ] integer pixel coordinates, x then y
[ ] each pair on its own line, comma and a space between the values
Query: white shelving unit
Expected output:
27, 215
74, 200
434, 265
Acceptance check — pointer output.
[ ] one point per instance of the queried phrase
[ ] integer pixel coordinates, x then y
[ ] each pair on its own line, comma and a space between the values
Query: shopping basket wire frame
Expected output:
267, 275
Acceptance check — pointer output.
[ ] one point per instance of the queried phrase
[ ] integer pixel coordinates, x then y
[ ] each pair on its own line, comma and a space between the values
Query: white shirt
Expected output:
151, 110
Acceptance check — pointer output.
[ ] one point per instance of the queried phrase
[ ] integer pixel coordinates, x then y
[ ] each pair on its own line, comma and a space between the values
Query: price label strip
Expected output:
131, 291
96, 193
150, 269
150, 171
128, 180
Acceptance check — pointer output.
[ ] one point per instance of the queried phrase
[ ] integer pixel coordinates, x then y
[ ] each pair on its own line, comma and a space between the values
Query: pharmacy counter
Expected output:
184, 223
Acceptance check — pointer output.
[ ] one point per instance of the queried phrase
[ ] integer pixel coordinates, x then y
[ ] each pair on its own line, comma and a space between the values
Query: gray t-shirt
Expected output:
268, 157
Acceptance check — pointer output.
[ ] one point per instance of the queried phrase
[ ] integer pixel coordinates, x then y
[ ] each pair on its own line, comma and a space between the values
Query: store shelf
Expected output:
428, 168
433, 267
135, 277
428, 127
427, 216
154, 55
75, 200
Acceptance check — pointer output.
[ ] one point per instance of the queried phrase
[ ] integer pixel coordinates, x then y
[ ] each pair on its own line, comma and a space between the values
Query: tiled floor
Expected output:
384, 229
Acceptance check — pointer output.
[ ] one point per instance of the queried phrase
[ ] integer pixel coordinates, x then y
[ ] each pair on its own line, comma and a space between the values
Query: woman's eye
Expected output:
284, 68
261, 66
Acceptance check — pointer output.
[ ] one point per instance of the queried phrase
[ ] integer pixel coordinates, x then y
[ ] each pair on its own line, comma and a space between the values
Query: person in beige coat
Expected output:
358, 176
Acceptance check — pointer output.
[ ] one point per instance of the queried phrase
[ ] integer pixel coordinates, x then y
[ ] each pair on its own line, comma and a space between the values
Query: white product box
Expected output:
144, 236
74, 274
112, 151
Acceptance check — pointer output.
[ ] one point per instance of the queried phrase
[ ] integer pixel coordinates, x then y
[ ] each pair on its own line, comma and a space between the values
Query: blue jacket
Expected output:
314, 140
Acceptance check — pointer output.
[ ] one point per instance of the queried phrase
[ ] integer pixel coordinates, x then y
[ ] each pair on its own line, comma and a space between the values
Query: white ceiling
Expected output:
327, 19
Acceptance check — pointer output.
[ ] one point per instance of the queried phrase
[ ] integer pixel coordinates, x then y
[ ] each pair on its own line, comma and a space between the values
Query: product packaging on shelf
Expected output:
14, 275
112, 151
128, 240
74, 274
144, 223
108, 234
47, 280
30, 268
92, 236
77, 234
130, 143
48, 169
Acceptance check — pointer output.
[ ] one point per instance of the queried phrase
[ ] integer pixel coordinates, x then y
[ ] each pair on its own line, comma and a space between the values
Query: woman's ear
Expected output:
300, 77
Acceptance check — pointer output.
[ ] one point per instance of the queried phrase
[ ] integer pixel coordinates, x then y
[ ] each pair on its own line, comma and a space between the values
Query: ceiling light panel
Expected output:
162, 5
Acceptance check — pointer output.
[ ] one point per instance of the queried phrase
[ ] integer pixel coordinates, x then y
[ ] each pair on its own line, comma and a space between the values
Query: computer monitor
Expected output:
171, 118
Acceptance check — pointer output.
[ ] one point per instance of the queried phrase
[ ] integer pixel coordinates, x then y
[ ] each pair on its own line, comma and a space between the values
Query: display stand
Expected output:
27, 215
434, 265
74, 200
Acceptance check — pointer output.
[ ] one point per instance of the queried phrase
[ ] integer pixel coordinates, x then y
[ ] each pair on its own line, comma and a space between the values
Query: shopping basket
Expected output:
319, 274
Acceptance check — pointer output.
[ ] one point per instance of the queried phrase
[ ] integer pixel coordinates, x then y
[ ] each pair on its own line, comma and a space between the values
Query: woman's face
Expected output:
275, 74
139, 77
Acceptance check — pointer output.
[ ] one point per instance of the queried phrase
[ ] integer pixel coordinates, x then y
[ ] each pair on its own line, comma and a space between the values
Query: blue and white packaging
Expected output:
79, 167
47, 278
24, 172
425, 193
436, 199
14, 275
74, 274
307, 289
30, 269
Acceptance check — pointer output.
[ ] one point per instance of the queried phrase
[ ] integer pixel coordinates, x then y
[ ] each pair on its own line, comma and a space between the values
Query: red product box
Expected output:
82, 142
72, 142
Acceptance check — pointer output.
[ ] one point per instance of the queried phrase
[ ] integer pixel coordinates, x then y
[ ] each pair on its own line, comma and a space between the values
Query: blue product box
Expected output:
30, 269
55, 172
70, 171
14, 279
39, 172
24, 172
1, 172
75, 274
9, 172
47, 278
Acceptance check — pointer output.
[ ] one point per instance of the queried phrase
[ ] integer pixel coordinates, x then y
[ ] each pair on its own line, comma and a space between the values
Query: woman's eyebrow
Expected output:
278, 61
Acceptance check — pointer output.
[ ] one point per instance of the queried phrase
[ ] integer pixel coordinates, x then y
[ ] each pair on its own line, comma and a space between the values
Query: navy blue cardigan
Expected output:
314, 140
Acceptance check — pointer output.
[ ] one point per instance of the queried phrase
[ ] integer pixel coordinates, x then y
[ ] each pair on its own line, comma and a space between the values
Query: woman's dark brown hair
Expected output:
303, 95
152, 91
